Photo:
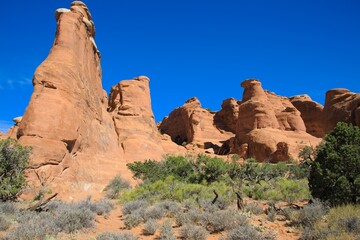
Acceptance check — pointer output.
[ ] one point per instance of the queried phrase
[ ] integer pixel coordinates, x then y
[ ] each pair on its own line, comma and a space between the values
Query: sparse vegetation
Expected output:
150, 227
116, 185
116, 236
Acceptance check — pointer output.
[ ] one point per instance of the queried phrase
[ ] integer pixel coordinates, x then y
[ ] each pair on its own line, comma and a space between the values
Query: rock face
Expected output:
191, 124
269, 126
130, 106
311, 113
227, 117
74, 141
341, 105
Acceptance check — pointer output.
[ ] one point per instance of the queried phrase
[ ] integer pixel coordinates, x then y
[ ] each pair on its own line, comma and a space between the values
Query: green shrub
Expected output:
335, 172
116, 185
345, 219
13, 160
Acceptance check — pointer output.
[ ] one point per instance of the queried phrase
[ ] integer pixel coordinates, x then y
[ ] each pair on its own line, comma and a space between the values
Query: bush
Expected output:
345, 219
308, 215
13, 160
191, 232
254, 208
102, 207
73, 217
166, 232
223, 220
133, 220
150, 227
243, 232
34, 226
181, 219
116, 236
4, 223
116, 185
134, 205
335, 172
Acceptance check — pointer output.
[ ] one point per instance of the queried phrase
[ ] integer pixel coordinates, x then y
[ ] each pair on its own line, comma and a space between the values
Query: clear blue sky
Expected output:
202, 48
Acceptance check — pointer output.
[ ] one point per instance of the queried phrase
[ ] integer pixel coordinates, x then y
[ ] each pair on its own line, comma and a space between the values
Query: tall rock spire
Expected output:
73, 137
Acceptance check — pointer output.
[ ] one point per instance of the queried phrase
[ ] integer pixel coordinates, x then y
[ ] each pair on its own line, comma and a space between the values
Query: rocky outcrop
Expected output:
227, 117
130, 106
341, 105
193, 125
311, 113
268, 125
74, 141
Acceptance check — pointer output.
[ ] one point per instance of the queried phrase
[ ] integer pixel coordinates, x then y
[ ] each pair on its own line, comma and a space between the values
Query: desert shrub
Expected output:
73, 217
155, 212
188, 169
34, 226
271, 215
345, 219
116, 185
133, 220
181, 219
102, 207
335, 172
134, 205
308, 215
116, 236
4, 223
191, 232
223, 220
279, 188
8, 208
13, 160
243, 232
166, 231
170, 208
254, 208
150, 227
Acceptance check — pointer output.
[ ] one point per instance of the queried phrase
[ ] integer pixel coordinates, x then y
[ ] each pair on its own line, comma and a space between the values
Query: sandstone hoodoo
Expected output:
269, 127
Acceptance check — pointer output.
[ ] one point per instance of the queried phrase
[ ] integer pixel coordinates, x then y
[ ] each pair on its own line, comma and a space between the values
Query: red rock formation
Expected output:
73, 138
311, 113
227, 117
341, 105
270, 126
130, 105
193, 125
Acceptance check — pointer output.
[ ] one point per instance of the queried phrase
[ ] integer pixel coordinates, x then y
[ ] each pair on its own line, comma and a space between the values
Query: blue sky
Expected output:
201, 48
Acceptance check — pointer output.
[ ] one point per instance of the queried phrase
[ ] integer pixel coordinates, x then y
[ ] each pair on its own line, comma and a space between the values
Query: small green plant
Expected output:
13, 161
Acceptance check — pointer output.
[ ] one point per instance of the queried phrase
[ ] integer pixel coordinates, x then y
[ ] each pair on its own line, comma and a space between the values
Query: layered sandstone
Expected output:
130, 106
341, 105
193, 125
75, 147
311, 113
269, 127
227, 117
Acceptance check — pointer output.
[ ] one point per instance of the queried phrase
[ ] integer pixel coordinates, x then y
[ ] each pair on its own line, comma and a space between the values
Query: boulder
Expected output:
227, 117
